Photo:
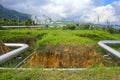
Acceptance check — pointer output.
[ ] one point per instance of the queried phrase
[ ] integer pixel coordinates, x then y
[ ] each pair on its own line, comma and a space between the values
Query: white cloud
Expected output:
68, 8
62, 8
51, 9
83, 10
105, 13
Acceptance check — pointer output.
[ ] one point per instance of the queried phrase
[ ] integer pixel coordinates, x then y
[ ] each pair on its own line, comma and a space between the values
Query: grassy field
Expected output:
39, 39
89, 74
56, 37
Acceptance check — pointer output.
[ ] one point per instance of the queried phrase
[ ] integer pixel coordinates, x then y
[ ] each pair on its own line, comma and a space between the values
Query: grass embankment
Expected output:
20, 36
62, 48
58, 40
56, 36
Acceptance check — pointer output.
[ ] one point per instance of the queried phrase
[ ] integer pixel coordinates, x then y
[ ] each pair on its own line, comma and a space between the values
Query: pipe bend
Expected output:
114, 52
14, 53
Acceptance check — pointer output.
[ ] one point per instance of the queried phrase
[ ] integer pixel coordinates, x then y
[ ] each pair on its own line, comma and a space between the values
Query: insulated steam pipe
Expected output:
14, 53
112, 51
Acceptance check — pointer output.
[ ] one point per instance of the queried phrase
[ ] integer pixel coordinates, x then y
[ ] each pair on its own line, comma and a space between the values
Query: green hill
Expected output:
12, 14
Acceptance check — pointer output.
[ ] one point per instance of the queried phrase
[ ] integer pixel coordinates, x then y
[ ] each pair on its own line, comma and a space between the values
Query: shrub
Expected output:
1, 27
69, 26
112, 30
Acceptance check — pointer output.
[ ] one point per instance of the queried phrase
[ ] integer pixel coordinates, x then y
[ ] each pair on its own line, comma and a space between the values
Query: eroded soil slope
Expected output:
68, 56
3, 49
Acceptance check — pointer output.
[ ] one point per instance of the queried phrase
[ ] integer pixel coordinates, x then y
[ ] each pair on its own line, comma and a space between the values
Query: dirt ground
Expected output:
67, 56
3, 49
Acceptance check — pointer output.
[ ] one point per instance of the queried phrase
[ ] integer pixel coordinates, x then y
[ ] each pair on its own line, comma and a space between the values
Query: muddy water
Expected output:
65, 56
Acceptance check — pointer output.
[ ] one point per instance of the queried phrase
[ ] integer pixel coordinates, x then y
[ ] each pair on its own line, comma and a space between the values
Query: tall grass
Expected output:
38, 38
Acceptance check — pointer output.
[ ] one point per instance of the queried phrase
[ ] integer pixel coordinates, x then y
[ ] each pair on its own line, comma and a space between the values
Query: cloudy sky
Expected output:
80, 10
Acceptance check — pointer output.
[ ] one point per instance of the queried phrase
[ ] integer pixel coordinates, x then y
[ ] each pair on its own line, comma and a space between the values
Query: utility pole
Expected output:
98, 19
18, 21
108, 23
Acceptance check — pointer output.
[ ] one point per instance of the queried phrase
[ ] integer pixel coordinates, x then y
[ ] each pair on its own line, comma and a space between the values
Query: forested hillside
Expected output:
12, 14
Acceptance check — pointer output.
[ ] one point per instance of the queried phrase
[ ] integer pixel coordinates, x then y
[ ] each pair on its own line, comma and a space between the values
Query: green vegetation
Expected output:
68, 33
56, 37
14, 22
89, 74
10, 17
6, 13
69, 26
38, 38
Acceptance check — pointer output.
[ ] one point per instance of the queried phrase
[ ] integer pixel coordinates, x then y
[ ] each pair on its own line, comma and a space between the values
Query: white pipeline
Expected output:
14, 53
112, 51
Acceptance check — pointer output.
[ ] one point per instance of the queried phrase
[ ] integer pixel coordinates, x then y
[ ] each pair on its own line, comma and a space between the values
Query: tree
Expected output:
69, 26
28, 22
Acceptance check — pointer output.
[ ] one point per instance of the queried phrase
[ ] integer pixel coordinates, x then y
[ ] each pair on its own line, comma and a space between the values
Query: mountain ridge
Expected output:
12, 14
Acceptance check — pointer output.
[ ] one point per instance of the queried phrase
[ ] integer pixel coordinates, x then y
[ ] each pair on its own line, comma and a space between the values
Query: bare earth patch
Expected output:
3, 49
68, 56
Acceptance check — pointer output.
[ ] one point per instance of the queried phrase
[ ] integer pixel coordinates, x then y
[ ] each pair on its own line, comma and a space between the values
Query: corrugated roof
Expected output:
61, 23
